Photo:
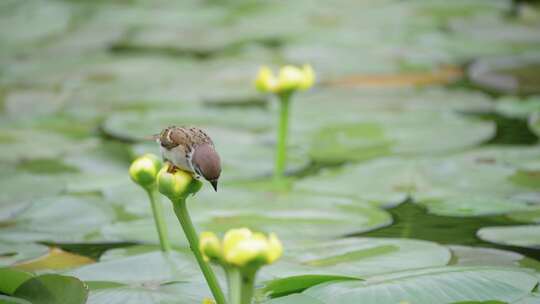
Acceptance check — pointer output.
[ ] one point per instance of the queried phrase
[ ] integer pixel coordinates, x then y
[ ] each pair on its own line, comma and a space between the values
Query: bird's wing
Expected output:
200, 137
173, 136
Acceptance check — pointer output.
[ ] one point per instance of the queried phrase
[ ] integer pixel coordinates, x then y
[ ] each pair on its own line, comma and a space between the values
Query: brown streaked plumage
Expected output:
192, 150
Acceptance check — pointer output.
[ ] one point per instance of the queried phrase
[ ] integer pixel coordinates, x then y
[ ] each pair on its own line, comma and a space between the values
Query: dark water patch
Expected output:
232, 49
126, 49
91, 250
236, 102
413, 221
509, 131
314, 168
46, 166
506, 75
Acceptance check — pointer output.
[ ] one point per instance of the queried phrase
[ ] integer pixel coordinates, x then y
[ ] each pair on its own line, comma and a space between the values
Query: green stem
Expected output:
234, 281
159, 220
241, 285
281, 147
181, 211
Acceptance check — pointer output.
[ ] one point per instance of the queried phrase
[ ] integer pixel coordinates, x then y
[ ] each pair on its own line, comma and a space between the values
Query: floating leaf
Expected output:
12, 300
149, 267
174, 292
357, 257
478, 256
66, 218
11, 279
446, 285
286, 214
11, 253
297, 284
53, 289
507, 74
523, 236
56, 259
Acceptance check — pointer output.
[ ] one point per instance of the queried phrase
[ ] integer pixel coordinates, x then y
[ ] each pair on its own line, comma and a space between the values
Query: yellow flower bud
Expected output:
233, 236
210, 246
290, 78
242, 247
275, 249
144, 170
247, 251
208, 301
265, 81
177, 185
309, 77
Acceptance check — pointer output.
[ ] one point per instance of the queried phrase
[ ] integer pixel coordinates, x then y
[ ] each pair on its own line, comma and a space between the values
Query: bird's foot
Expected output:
172, 168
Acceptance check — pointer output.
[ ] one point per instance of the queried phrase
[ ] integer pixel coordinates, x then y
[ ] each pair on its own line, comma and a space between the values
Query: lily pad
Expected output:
381, 134
57, 219
152, 267
11, 253
141, 126
460, 185
523, 236
508, 75
358, 257
53, 289
517, 107
287, 214
55, 259
22, 142
11, 279
534, 122
173, 292
478, 256
447, 285
12, 300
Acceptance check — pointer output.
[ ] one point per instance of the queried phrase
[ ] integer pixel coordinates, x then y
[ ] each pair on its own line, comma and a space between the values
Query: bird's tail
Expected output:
154, 137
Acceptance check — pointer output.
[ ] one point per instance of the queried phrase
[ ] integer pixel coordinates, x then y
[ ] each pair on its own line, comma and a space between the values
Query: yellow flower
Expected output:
309, 77
242, 247
144, 170
290, 78
177, 185
265, 81
275, 249
208, 301
210, 246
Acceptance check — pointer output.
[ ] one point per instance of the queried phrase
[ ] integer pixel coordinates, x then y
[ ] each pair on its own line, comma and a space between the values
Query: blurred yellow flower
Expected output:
289, 79
210, 246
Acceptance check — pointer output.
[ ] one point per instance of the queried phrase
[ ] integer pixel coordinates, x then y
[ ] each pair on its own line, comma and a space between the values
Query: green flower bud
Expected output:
178, 184
210, 246
144, 170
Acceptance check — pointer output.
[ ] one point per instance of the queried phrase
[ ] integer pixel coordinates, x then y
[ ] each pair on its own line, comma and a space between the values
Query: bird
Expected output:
192, 150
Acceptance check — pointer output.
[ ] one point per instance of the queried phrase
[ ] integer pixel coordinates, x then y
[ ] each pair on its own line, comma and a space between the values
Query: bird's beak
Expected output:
214, 184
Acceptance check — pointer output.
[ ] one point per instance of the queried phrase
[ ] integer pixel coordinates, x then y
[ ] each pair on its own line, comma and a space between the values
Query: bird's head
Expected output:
206, 162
